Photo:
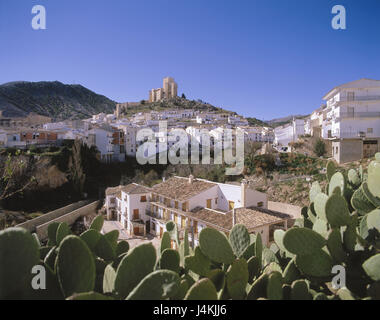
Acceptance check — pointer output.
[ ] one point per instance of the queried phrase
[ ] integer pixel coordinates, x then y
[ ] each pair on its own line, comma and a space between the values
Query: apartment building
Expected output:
351, 120
193, 204
283, 135
109, 142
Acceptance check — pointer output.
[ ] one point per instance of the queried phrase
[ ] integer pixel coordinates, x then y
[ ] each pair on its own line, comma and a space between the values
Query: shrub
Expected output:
319, 148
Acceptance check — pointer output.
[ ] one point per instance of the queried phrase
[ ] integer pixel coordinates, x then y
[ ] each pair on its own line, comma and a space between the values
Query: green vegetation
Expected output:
256, 122
53, 99
340, 227
173, 104
320, 148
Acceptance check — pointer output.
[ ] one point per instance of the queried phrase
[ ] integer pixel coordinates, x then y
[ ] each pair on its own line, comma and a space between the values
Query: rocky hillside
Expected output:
52, 99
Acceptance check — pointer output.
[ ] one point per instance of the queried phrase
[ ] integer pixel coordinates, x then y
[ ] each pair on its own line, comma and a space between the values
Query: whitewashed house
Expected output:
289, 132
193, 204
352, 120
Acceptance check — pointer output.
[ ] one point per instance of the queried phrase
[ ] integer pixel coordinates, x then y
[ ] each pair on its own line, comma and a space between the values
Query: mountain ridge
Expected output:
52, 99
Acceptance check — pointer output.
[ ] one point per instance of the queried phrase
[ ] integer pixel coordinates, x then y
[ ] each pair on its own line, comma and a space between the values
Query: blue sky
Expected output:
266, 59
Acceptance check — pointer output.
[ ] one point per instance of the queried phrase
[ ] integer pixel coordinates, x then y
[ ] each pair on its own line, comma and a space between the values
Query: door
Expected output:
208, 203
136, 231
195, 226
136, 214
183, 222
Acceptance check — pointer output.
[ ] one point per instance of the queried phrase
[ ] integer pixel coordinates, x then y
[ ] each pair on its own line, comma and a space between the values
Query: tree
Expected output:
183, 96
78, 177
320, 148
13, 179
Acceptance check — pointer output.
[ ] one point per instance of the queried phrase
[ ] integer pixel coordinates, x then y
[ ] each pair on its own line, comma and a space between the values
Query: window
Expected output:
260, 204
369, 130
231, 205
208, 203
350, 96
176, 204
143, 199
136, 214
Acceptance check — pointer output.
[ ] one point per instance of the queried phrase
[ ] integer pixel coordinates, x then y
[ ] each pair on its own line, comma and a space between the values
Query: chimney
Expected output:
191, 179
243, 188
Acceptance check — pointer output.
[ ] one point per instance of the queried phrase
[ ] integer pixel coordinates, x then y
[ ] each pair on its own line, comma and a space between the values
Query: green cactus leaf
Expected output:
138, 263
374, 178
97, 223
268, 257
354, 178
314, 191
63, 230
330, 170
112, 238
337, 212
216, 246
91, 237
198, 263
373, 220
303, 241
237, 279
320, 206
19, 253
311, 213
249, 251
104, 249
239, 239
35, 237
320, 296
170, 260
50, 258
274, 286
258, 288
183, 288
337, 181
254, 268
203, 289
345, 294
44, 251
320, 226
374, 200
259, 247
165, 241
218, 278
75, 266
109, 279
316, 264
122, 247
335, 246
349, 238
89, 296
360, 202
300, 291
52, 232
291, 272
372, 267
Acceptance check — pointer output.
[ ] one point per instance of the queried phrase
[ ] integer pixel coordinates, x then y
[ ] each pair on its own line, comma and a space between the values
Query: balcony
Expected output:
358, 115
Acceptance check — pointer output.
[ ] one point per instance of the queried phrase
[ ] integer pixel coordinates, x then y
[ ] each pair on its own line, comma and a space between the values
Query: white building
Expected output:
289, 132
352, 119
192, 204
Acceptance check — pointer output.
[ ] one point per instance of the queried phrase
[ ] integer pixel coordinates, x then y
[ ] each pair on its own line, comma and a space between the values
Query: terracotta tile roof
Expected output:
132, 188
251, 217
179, 188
